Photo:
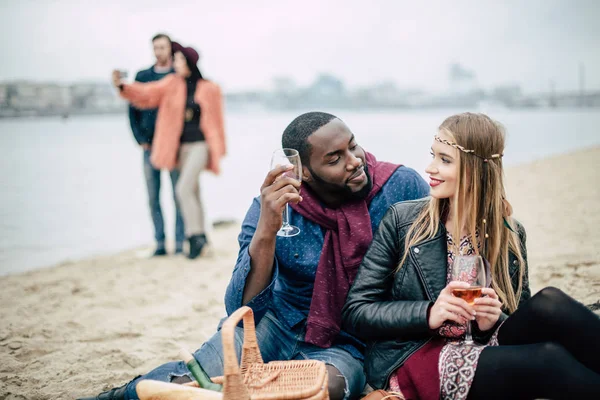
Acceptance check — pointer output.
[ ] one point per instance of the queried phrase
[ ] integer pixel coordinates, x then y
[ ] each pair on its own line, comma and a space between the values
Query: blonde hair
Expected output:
478, 138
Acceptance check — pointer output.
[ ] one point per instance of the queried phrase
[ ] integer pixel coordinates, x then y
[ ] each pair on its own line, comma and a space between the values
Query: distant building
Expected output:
326, 91
3, 96
54, 97
284, 95
284, 85
508, 95
35, 97
462, 80
327, 86
24, 96
385, 94
97, 97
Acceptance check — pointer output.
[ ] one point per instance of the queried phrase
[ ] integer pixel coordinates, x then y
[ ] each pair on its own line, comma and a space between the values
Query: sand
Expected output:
81, 327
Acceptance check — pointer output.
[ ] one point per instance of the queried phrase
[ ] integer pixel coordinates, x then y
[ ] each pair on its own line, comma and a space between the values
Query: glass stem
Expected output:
286, 214
468, 336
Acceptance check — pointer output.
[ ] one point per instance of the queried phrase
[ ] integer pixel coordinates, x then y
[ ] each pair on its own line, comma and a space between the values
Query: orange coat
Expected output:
169, 95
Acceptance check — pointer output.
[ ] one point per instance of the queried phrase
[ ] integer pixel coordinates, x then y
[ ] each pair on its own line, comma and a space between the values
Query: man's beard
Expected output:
344, 193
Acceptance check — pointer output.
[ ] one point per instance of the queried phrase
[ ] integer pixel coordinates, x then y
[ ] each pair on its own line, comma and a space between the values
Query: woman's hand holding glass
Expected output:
488, 309
447, 307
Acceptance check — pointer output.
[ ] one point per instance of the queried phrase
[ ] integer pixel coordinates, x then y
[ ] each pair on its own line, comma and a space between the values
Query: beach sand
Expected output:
81, 327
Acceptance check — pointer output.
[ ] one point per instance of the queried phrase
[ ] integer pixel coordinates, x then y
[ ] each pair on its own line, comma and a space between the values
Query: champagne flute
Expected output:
283, 157
470, 269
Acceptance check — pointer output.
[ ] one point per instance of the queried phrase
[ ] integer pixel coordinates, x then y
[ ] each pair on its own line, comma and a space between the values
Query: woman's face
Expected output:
180, 65
444, 168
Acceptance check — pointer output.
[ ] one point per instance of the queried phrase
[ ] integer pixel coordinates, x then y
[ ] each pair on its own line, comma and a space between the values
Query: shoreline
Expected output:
83, 326
217, 224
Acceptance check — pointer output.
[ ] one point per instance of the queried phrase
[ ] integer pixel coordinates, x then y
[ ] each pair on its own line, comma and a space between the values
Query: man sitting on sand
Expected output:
297, 286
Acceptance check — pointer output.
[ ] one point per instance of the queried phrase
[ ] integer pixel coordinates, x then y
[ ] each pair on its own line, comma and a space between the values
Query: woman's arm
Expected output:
484, 336
213, 124
369, 311
146, 95
219, 120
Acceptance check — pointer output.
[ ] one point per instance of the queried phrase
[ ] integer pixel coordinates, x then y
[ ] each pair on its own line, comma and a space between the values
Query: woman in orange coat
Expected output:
189, 132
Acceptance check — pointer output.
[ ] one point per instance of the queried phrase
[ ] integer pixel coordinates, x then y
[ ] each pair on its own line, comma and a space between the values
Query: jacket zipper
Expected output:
418, 268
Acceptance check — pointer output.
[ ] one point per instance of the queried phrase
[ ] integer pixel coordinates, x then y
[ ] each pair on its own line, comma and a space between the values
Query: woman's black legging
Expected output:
549, 348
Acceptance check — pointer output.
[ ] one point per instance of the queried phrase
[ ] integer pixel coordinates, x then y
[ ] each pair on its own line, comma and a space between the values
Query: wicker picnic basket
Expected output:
252, 379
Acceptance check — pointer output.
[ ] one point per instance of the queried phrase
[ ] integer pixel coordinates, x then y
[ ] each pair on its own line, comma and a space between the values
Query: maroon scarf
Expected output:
347, 237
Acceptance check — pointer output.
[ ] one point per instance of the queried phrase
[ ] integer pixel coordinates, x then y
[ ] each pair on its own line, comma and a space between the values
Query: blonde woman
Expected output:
401, 302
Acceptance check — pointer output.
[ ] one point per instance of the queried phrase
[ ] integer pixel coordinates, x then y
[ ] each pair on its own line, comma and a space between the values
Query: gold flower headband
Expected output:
467, 151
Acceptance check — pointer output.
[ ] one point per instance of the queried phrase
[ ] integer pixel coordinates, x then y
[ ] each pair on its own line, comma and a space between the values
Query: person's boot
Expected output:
112, 394
197, 242
160, 250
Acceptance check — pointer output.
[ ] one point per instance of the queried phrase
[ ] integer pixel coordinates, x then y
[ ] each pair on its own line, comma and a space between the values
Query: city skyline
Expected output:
245, 46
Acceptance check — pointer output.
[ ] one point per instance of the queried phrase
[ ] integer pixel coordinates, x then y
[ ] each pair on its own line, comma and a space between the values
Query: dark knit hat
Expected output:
188, 52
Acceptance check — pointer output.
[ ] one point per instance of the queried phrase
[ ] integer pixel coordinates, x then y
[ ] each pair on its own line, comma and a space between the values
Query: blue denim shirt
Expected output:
295, 265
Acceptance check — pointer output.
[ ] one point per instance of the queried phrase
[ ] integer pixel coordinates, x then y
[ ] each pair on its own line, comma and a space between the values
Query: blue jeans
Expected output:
153, 184
276, 342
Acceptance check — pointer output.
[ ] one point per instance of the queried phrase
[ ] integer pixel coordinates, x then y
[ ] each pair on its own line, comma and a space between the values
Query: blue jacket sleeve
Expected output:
235, 290
134, 120
406, 184
416, 185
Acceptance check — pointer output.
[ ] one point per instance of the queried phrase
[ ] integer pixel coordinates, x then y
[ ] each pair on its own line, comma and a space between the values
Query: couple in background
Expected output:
177, 118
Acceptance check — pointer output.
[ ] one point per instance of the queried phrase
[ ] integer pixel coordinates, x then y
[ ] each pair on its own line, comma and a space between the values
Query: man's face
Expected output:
162, 50
337, 170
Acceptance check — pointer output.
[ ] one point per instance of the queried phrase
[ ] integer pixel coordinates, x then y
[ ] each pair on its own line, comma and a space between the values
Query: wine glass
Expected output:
470, 269
282, 157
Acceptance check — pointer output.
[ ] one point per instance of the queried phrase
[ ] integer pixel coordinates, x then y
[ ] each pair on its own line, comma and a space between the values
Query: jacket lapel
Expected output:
431, 261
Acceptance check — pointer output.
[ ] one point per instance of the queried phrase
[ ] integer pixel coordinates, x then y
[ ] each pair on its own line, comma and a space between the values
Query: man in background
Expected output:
142, 125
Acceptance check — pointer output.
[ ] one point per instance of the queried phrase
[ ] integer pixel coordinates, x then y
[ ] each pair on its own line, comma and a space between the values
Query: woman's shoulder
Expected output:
407, 211
171, 78
170, 82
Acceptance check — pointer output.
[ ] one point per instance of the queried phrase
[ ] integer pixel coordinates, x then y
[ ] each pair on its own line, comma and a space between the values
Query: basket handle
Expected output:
233, 372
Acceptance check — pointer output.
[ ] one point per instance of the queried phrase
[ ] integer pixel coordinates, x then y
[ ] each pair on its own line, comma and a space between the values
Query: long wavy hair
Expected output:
479, 200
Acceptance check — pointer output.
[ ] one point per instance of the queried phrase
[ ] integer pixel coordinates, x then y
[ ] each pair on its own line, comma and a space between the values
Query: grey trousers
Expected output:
193, 158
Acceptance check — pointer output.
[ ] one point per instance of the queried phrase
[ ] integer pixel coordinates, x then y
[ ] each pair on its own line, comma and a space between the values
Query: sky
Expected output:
244, 44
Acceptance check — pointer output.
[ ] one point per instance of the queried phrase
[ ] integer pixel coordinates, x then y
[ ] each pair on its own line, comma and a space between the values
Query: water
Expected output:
75, 188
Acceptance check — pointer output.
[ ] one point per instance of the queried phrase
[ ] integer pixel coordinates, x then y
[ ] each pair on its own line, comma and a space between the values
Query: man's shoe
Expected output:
161, 251
197, 242
112, 394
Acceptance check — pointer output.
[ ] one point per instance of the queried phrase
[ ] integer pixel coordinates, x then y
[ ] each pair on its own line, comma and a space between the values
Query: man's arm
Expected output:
262, 256
276, 192
256, 268
234, 296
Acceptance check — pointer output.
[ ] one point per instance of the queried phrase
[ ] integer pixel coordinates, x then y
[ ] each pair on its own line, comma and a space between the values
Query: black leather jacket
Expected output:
389, 310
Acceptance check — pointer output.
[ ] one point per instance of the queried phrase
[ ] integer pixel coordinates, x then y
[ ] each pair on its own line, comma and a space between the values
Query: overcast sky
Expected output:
245, 43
